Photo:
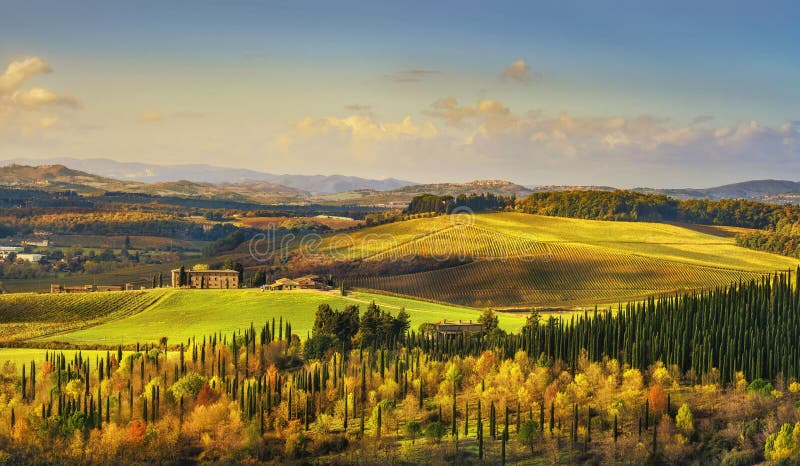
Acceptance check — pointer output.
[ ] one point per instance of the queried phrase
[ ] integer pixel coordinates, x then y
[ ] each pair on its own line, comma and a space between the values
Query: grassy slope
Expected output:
183, 314
578, 261
660, 240
25, 315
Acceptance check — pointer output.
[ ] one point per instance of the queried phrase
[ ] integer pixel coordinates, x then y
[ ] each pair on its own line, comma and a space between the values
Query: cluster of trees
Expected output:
109, 223
71, 261
26, 198
749, 327
633, 206
336, 330
447, 204
601, 205
783, 239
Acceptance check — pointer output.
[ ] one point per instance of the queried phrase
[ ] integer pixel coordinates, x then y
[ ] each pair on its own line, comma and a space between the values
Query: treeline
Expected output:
633, 206
446, 204
110, 223
27, 198
336, 330
784, 239
748, 327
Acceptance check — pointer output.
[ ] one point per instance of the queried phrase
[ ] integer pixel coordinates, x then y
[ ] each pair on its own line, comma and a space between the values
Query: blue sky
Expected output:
623, 93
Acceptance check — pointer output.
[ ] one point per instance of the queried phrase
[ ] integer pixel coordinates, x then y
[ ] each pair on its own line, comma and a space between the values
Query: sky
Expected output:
622, 93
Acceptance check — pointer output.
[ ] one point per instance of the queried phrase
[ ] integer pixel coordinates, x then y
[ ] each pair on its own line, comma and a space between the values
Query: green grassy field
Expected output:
182, 314
552, 261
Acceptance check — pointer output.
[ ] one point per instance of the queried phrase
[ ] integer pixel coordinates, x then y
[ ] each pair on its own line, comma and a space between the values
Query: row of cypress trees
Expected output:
750, 327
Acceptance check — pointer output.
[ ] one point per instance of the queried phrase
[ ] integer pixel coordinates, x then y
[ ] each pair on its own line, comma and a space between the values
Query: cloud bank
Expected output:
488, 139
27, 110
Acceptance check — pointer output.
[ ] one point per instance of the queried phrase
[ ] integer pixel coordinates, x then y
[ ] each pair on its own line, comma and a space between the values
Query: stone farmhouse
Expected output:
206, 279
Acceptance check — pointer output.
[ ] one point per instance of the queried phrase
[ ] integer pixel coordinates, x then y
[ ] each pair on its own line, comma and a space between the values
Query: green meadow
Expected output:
183, 314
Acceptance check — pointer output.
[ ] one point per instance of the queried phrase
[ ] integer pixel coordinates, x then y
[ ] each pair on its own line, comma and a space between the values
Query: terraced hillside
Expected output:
28, 315
523, 260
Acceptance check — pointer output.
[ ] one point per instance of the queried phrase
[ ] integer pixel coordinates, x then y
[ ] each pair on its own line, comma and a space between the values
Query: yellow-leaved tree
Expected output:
684, 421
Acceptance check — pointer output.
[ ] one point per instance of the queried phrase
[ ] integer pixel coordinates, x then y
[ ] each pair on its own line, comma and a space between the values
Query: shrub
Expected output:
188, 385
760, 387
784, 444
206, 396
331, 444
435, 431
684, 421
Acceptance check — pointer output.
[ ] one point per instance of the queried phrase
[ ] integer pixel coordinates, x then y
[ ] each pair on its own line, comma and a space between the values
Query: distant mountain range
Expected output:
152, 173
336, 190
760, 190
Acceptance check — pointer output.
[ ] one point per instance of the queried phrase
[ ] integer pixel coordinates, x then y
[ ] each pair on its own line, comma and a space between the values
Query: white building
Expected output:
30, 257
43, 243
5, 251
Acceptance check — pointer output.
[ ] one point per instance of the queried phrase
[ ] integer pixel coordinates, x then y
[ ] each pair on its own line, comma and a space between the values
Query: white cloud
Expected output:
490, 139
360, 128
19, 108
18, 72
410, 76
38, 97
520, 71
150, 117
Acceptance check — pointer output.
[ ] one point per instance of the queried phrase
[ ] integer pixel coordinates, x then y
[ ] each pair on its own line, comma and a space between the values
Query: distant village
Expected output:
18, 254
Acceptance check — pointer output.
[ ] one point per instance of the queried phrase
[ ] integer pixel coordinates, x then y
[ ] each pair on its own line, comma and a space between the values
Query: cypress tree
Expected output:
541, 416
24, 384
378, 432
480, 433
33, 380
655, 438
361, 424
503, 445
466, 418
345, 412
588, 426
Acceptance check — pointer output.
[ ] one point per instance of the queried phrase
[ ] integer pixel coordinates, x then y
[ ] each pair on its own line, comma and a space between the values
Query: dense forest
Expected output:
783, 239
632, 206
447, 204
114, 222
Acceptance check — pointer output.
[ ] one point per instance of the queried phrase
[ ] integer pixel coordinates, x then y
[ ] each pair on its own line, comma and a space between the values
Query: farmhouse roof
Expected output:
208, 271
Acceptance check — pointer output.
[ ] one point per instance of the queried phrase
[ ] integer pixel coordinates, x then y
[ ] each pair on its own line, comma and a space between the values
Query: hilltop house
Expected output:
6, 251
306, 282
284, 284
29, 257
206, 279
56, 288
43, 243
458, 328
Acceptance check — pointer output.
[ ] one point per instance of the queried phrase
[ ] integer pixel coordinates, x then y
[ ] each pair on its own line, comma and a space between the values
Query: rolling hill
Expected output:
529, 260
755, 190
201, 173
114, 318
